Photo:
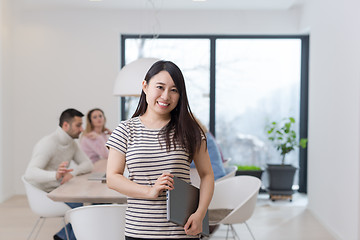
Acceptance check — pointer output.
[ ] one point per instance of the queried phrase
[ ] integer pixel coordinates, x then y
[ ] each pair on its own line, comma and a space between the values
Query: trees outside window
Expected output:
236, 86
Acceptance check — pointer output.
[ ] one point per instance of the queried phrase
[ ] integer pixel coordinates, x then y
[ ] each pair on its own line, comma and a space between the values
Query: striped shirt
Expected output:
146, 159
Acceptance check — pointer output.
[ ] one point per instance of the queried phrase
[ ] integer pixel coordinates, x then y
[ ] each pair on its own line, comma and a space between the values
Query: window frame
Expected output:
304, 79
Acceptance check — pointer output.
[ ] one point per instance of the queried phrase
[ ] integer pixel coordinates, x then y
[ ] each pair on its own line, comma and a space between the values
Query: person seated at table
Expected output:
48, 167
95, 136
214, 153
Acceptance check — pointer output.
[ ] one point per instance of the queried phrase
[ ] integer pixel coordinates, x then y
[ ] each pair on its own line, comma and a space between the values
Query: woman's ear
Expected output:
144, 86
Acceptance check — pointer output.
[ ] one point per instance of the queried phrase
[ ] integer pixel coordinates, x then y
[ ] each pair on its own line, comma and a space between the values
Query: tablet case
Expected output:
183, 201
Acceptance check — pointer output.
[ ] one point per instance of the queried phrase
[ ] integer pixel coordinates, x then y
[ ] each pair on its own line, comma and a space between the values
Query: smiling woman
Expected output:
162, 97
156, 144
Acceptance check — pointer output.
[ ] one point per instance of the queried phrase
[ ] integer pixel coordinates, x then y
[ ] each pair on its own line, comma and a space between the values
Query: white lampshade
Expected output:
130, 77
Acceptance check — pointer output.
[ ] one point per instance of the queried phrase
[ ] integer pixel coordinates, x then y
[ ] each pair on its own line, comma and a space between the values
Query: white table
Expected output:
80, 189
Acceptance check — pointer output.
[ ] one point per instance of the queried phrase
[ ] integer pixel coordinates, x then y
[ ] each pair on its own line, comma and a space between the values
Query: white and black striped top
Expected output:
146, 160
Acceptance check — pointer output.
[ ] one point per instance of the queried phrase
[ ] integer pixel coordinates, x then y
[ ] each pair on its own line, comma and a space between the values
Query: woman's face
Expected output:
162, 96
97, 118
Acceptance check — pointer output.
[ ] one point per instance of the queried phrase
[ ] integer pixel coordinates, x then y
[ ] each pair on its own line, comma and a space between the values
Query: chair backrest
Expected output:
41, 204
230, 172
195, 178
98, 221
238, 193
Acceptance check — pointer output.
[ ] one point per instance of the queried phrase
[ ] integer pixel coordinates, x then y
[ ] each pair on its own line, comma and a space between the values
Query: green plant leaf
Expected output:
284, 136
248, 168
303, 142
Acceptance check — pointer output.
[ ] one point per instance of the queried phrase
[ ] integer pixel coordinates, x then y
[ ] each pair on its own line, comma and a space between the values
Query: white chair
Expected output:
234, 201
230, 172
96, 222
195, 178
43, 206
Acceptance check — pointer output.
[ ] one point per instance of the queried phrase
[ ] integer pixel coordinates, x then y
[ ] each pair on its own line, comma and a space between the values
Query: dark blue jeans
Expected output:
61, 234
131, 238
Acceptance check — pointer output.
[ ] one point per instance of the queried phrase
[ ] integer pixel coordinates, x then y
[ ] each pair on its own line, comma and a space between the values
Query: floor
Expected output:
280, 220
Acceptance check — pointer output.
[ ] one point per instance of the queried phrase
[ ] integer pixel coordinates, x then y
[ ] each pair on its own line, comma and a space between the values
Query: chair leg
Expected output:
252, 235
227, 232
32, 230
66, 232
236, 236
42, 219
233, 232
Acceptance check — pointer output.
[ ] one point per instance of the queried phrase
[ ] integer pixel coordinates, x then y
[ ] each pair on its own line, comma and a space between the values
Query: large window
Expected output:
257, 81
192, 57
236, 85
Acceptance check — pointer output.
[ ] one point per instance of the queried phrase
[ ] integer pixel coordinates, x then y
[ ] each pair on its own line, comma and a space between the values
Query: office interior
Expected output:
56, 54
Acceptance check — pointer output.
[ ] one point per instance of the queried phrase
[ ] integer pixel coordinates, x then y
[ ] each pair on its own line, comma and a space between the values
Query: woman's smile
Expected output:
162, 95
162, 104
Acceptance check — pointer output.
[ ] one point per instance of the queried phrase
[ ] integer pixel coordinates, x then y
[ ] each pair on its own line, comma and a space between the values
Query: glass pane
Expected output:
193, 58
257, 81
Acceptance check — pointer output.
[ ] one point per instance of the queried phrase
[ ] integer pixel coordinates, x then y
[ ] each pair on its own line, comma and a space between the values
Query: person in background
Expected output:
48, 167
156, 144
95, 135
214, 153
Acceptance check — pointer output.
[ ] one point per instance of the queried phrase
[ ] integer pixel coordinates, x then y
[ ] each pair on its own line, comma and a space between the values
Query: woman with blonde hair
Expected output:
95, 136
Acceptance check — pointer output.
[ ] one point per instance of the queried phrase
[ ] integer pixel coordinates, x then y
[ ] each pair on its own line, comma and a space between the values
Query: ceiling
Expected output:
168, 4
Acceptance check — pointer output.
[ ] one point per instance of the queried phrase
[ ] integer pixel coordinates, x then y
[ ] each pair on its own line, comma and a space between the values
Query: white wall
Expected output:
1, 103
70, 58
6, 162
334, 91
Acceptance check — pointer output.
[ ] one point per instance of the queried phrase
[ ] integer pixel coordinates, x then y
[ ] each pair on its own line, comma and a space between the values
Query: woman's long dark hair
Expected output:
187, 131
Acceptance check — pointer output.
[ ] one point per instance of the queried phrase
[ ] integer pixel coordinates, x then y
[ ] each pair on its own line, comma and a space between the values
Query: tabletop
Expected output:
80, 189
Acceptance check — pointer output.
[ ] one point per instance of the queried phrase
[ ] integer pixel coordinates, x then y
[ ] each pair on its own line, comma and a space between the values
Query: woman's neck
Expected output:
155, 121
98, 130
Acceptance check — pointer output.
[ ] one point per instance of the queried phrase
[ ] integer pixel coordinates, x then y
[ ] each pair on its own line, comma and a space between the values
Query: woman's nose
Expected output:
165, 95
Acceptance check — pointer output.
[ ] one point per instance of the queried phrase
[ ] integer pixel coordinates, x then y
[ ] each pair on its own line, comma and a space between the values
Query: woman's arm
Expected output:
203, 166
116, 180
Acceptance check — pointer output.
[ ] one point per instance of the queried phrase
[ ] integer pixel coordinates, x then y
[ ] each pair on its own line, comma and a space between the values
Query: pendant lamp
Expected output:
130, 77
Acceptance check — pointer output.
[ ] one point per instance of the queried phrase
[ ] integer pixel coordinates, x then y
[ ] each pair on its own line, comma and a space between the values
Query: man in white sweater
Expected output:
52, 155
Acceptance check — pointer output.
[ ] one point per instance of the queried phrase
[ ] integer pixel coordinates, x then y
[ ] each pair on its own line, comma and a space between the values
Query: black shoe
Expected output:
57, 238
213, 228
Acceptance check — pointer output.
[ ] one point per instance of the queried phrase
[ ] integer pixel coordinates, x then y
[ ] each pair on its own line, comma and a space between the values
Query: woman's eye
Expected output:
159, 87
174, 90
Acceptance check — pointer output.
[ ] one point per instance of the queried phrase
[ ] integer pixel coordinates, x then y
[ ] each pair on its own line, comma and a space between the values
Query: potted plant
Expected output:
281, 177
251, 170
